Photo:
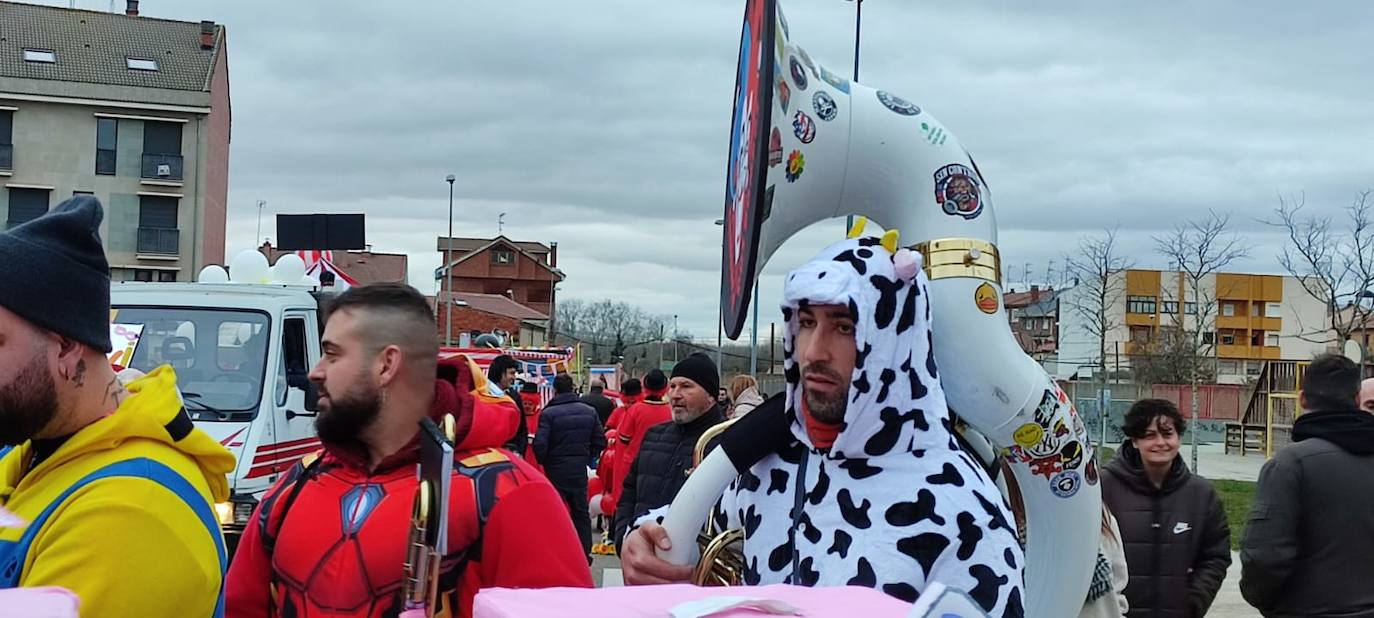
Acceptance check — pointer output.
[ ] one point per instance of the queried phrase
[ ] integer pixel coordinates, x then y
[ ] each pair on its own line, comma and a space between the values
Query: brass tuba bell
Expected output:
721, 563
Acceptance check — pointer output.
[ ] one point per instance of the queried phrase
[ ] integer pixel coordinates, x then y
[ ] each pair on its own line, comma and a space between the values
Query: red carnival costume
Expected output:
654, 409
330, 537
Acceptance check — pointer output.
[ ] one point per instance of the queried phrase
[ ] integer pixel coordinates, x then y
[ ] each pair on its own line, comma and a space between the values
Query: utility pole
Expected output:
257, 240
754, 337
675, 338
660, 346
448, 264
858, 20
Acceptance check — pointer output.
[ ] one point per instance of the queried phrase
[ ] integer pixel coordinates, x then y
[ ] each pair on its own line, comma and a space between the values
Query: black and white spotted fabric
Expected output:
895, 503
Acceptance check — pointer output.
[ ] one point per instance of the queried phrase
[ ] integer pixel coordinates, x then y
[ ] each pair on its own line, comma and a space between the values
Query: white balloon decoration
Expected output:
249, 267
289, 269
213, 273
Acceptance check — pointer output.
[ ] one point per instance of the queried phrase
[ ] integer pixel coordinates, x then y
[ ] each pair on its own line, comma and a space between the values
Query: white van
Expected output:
241, 354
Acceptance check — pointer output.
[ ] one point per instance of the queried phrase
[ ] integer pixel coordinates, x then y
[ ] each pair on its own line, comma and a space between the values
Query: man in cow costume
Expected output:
873, 490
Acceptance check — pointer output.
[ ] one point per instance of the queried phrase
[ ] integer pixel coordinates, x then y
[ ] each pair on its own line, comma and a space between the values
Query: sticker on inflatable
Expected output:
1090, 472
1046, 466
1029, 434
1065, 484
1071, 456
798, 72
1044, 413
803, 127
825, 106
784, 93
123, 343
934, 133
957, 191
835, 81
775, 148
986, 299
796, 164
898, 104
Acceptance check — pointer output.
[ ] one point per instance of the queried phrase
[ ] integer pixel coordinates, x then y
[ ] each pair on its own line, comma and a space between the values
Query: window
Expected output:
1257, 338
1256, 309
1228, 339
1227, 367
1169, 307
27, 205
502, 256
1271, 340
162, 150
1190, 308
141, 64
6, 139
1209, 338
157, 225
106, 131
294, 367
1252, 369
40, 55
76, 193
1140, 304
1272, 310
1140, 334
1228, 310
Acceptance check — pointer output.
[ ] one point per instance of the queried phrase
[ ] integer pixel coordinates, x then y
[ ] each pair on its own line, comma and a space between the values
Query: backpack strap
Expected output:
14, 555
304, 470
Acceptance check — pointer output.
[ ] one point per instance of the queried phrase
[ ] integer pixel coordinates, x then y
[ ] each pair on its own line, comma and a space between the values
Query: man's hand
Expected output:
643, 566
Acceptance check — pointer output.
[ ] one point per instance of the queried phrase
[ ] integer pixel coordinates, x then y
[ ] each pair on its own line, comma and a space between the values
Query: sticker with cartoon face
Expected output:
825, 106
898, 104
986, 298
1071, 455
1065, 484
958, 192
796, 164
803, 127
835, 81
1028, 435
798, 72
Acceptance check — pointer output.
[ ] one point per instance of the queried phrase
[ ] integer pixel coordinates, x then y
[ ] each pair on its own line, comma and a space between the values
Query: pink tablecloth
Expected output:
44, 602
656, 601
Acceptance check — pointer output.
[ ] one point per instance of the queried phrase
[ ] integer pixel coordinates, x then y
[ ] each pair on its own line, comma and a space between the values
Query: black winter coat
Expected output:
569, 438
660, 468
601, 403
1177, 542
1309, 542
521, 438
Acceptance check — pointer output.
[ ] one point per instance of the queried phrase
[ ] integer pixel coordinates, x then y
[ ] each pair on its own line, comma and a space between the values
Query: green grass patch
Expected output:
1236, 497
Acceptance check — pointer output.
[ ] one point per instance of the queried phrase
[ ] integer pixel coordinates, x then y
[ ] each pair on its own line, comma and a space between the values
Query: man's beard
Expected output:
27, 404
342, 420
826, 408
683, 415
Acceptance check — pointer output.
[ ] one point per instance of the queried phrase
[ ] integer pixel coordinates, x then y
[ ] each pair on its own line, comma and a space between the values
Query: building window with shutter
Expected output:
26, 205
162, 150
6, 139
157, 225
106, 133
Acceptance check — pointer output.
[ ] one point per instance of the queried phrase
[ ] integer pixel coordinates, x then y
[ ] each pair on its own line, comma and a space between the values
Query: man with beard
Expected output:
331, 537
871, 488
116, 485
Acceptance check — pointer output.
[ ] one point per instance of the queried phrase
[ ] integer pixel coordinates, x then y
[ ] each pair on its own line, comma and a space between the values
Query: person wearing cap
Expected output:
660, 467
114, 482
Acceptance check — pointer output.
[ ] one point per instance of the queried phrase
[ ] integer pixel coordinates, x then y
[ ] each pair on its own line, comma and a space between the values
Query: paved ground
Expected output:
1214, 463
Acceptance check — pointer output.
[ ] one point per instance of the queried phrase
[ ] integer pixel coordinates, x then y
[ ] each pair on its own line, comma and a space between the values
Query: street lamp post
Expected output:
720, 318
448, 263
858, 19
675, 359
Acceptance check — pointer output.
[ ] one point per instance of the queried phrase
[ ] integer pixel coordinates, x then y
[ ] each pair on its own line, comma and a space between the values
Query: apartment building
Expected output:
131, 109
1247, 319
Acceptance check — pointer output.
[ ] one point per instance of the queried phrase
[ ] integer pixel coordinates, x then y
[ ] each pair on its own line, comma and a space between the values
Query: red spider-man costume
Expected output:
337, 547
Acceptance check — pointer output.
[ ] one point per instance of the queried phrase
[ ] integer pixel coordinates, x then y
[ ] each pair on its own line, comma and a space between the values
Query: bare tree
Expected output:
1200, 250
1097, 266
610, 331
1333, 262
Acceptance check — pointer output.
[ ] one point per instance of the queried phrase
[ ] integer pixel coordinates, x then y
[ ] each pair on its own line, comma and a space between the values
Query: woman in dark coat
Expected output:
1173, 526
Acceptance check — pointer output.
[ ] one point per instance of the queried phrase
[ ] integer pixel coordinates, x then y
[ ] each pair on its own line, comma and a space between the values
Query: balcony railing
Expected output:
6, 156
162, 166
159, 241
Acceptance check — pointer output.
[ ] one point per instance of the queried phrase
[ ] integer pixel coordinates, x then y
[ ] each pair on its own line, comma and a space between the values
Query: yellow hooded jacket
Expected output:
127, 546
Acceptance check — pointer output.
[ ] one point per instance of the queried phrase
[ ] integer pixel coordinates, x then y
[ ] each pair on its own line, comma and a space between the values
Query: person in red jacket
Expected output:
330, 538
652, 410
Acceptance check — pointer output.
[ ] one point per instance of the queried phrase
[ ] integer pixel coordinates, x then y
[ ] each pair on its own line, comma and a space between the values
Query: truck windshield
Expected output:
219, 355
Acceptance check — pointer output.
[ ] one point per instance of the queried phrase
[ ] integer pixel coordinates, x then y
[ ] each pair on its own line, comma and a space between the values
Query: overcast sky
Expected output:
603, 125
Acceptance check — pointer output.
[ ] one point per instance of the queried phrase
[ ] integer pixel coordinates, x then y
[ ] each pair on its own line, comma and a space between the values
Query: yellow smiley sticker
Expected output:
986, 299
1028, 435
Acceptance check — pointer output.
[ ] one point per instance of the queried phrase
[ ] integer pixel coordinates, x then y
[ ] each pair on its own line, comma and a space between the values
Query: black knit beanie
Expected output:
701, 369
55, 274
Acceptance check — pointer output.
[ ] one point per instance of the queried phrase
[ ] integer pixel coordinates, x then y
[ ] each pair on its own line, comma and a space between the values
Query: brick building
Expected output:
475, 314
522, 271
1034, 317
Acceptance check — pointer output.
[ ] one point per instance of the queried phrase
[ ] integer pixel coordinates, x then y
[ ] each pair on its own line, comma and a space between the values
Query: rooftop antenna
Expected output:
501, 224
258, 239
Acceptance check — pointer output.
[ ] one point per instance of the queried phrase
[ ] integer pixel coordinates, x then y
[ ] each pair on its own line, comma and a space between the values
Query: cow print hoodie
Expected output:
894, 503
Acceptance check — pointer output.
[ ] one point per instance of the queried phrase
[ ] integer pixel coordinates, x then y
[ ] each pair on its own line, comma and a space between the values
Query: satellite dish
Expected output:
1354, 351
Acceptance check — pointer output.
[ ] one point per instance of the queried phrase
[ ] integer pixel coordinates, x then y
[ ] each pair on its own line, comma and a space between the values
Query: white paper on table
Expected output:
701, 608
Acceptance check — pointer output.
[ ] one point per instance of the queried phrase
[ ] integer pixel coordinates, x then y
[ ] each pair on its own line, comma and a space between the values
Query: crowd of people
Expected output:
115, 486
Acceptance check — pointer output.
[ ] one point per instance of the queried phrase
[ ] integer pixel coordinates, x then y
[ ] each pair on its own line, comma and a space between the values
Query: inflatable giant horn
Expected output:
807, 145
